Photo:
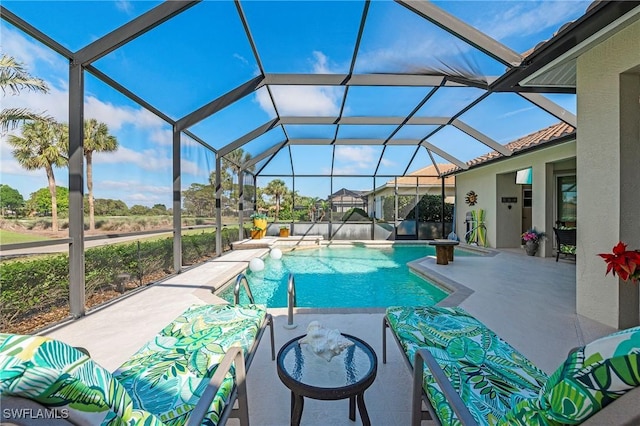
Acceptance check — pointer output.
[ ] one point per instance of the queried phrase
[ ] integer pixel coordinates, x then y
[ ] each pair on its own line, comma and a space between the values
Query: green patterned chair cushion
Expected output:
567, 249
168, 375
591, 377
59, 376
490, 376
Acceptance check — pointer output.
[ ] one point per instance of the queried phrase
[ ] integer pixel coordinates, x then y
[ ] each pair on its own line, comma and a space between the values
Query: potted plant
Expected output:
622, 262
256, 233
284, 230
532, 239
260, 221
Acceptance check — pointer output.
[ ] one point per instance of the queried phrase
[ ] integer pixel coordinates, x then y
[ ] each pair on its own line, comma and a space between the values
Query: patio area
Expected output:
528, 301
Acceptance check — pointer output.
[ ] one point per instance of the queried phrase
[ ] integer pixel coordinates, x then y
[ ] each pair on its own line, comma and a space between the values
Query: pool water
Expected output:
343, 277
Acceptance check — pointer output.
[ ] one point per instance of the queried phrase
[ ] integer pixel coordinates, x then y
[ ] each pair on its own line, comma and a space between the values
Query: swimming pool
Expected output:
344, 277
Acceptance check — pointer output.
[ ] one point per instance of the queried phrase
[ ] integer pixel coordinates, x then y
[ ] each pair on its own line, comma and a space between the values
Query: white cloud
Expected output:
241, 58
162, 137
304, 100
523, 20
516, 112
148, 159
354, 159
28, 52
149, 189
124, 6
190, 167
388, 163
116, 116
427, 52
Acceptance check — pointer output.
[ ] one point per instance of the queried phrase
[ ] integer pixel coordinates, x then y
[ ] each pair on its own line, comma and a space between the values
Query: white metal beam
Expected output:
445, 155
481, 137
551, 107
370, 120
218, 104
132, 29
255, 160
417, 80
259, 131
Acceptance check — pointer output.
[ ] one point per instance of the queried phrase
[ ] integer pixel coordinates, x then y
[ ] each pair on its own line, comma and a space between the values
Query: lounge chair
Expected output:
467, 375
192, 371
565, 241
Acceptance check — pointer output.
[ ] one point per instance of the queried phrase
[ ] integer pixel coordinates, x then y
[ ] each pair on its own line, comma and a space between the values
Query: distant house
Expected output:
345, 199
425, 181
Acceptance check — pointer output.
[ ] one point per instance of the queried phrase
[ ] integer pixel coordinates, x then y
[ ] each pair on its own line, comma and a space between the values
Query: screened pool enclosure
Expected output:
337, 118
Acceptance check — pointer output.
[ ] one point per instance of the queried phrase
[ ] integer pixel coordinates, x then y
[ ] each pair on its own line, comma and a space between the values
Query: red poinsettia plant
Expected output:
625, 263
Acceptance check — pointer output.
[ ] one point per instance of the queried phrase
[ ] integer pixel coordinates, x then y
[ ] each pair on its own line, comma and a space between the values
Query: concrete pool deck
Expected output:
528, 301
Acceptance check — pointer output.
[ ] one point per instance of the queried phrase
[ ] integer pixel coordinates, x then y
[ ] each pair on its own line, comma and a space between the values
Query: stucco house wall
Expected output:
492, 181
608, 89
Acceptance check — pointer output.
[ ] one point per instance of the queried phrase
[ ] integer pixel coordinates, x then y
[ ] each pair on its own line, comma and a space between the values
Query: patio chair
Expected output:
565, 241
467, 375
192, 371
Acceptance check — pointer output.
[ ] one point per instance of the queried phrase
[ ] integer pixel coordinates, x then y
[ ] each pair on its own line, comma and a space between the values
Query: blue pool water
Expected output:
344, 277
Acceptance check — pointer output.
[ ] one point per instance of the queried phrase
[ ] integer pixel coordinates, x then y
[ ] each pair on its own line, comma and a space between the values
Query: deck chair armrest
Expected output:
233, 355
423, 356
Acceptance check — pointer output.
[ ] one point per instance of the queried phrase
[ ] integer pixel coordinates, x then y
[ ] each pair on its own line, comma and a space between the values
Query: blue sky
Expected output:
203, 53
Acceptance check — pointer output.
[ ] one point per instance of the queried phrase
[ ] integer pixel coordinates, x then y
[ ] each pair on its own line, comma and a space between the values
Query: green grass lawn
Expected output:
10, 237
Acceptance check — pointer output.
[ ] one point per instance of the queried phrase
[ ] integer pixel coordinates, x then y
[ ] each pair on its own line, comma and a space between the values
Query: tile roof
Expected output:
427, 176
533, 140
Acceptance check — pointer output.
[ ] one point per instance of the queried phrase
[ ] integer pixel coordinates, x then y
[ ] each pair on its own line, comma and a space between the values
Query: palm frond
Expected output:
10, 118
15, 77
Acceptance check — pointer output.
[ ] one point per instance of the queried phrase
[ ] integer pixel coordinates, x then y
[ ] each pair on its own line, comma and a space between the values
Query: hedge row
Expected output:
34, 286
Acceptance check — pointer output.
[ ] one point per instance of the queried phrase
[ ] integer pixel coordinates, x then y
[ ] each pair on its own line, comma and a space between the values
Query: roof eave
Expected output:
557, 141
594, 20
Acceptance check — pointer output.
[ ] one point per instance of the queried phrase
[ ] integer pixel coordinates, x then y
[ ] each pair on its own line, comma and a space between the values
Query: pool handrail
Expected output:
236, 290
291, 301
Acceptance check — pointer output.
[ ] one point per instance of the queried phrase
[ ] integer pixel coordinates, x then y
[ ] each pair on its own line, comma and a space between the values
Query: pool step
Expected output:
268, 242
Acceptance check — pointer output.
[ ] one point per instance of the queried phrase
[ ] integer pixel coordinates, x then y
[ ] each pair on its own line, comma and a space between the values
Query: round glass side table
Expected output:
347, 375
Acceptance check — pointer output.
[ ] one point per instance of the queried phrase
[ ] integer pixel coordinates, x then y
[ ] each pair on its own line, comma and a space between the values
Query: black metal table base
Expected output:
297, 404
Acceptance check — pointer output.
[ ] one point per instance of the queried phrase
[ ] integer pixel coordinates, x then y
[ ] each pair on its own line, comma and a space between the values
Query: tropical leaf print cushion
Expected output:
168, 375
488, 374
59, 376
593, 376
590, 378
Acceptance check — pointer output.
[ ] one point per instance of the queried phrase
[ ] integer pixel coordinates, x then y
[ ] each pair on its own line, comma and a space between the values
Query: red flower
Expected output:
625, 263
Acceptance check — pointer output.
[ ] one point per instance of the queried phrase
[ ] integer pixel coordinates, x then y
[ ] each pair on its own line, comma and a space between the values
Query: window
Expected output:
527, 196
567, 200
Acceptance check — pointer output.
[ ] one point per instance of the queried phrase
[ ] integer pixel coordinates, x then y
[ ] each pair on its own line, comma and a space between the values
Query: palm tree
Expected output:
14, 77
96, 139
324, 207
43, 145
276, 188
234, 161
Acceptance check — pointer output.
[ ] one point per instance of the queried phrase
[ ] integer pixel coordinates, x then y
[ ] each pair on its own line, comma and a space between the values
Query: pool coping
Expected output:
458, 292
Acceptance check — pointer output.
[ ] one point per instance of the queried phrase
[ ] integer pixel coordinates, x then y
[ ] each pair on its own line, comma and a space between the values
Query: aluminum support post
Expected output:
218, 205
177, 203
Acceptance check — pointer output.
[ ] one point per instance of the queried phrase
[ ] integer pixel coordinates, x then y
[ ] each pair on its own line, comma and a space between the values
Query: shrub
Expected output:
35, 286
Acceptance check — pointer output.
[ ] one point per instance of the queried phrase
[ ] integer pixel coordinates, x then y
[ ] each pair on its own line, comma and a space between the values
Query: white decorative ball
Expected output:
276, 253
256, 265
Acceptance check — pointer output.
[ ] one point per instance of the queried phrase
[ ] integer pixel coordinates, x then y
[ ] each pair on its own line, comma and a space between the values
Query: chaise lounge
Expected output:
193, 371
473, 377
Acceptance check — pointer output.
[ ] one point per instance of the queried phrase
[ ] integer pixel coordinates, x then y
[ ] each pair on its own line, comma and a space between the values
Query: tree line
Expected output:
12, 203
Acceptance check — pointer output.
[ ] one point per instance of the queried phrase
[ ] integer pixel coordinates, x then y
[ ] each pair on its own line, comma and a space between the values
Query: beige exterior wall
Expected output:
608, 89
492, 182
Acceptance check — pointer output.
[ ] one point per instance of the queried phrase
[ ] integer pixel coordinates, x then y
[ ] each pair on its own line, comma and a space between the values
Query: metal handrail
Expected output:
291, 301
236, 290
